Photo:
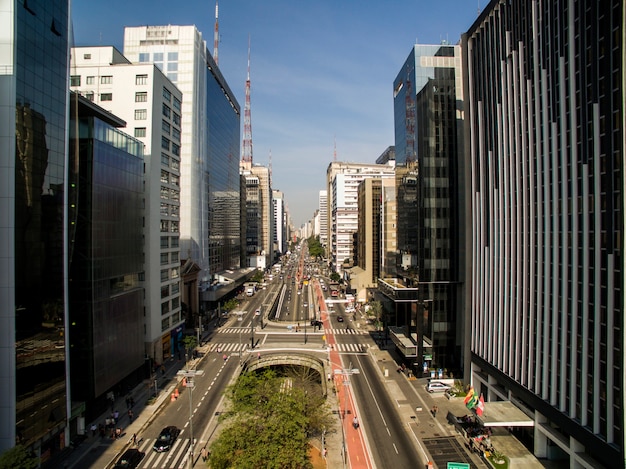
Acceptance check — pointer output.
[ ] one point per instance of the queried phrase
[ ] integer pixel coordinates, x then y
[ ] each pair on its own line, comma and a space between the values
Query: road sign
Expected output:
458, 465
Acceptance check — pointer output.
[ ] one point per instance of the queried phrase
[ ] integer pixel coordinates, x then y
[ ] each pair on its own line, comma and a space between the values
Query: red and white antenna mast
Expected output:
216, 35
246, 155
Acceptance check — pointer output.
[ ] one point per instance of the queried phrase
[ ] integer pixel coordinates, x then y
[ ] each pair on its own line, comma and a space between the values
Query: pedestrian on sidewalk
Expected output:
134, 439
93, 429
434, 411
204, 454
130, 415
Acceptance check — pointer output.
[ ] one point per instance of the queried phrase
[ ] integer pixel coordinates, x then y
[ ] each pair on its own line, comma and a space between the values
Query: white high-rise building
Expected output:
210, 143
343, 209
323, 217
280, 222
150, 104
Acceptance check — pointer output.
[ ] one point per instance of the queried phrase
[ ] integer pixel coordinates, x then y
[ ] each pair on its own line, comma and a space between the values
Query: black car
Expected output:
166, 439
339, 318
129, 460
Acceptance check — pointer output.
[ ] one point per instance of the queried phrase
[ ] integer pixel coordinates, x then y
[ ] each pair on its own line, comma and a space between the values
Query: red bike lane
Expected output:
354, 442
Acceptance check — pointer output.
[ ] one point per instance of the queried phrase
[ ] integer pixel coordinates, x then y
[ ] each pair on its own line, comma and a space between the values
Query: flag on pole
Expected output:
469, 397
480, 408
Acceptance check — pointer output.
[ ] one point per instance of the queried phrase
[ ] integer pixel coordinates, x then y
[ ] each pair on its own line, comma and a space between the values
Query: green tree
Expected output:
266, 409
229, 305
375, 312
316, 250
335, 277
17, 458
258, 276
190, 343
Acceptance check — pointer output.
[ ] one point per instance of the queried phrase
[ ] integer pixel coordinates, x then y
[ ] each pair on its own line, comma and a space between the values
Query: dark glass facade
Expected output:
106, 300
33, 174
224, 147
428, 128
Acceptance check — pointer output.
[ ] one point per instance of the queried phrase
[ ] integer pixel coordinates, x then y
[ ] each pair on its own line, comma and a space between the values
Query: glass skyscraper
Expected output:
34, 40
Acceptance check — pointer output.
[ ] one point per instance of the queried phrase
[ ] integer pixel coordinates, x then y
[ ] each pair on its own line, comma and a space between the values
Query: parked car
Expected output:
129, 460
437, 386
166, 439
339, 318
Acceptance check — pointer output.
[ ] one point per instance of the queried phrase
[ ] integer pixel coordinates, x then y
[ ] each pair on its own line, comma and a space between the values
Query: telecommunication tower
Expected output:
216, 36
246, 155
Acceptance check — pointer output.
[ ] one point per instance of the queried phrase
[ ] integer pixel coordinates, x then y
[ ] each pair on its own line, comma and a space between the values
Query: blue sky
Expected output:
321, 71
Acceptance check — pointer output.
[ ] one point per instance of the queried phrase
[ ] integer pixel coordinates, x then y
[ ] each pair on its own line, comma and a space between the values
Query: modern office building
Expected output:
209, 158
142, 96
280, 227
323, 217
259, 215
545, 102
342, 181
35, 407
428, 97
364, 275
106, 296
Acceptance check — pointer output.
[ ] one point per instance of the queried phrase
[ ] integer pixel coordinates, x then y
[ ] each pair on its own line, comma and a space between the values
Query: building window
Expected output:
106, 80
140, 132
165, 307
175, 149
165, 225
165, 177
164, 258
175, 288
89, 95
175, 242
75, 80
165, 242
87, 56
165, 127
90, 80
174, 273
176, 134
141, 79
174, 258
143, 58
175, 303
174, 180
172, 67
173, 77
176, 119
165, 194
164, 209
165, 291
165, 275
165, 143
174, 227
106, 97
157, 57
141, 114
172, 56
167, 95
165, 160
167, 112
141, 97
177, 104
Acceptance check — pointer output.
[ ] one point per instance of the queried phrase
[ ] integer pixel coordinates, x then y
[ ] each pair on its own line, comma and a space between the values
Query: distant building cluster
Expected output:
489, 231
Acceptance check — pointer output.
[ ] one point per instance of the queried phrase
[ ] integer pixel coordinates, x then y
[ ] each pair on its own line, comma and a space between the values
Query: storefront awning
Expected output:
504, 414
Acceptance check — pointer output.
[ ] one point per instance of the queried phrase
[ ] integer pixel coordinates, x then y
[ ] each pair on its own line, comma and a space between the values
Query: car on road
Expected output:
437, 386
166, 439
339, 318
129, 460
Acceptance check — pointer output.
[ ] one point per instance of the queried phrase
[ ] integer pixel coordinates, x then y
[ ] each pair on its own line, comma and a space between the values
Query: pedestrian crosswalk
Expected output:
225, 348
333, 331
177, 457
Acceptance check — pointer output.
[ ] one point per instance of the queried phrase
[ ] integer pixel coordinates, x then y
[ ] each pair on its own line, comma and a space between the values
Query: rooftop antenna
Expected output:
270, 167
216, 36
247, 122
335, 149
478, 8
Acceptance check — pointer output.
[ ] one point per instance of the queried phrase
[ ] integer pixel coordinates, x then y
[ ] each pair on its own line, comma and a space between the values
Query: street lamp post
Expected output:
189, 376
420, 333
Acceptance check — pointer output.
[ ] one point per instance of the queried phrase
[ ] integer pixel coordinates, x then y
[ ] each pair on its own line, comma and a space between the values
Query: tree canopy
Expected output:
17, 458
270, 419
